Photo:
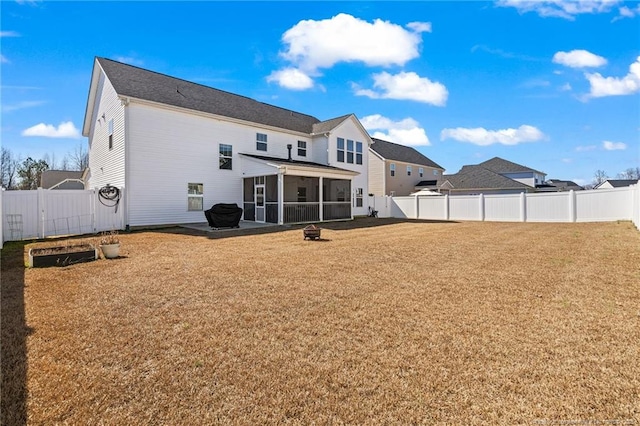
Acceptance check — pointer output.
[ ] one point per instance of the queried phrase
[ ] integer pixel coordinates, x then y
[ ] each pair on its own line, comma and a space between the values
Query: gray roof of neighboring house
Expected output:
406, 154
565, 184
620, 183
500, 165
50, 178
284, 161
477, 177
139, 83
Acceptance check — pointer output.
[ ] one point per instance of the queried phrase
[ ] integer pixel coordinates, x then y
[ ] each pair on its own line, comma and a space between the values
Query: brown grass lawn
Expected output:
400, 323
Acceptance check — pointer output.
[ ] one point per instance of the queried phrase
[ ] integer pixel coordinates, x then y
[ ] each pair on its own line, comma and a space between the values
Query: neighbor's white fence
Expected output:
45, 213
600, 205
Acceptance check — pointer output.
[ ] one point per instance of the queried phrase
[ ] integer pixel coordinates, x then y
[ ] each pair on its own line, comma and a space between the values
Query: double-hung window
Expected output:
359, 197
408, 170
195, 197
358, 152
261, 142
341, 150
349, 151
392, 169
421, 171
302, 148
226, 157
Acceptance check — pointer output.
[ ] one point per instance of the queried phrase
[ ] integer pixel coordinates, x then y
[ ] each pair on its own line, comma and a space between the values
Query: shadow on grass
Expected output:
357, 223
14, 332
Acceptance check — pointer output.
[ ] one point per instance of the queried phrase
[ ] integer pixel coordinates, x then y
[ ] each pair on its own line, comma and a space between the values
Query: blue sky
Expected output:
553, 85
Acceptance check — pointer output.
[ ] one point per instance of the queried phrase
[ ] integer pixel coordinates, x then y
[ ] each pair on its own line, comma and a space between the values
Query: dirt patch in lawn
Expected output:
457, 323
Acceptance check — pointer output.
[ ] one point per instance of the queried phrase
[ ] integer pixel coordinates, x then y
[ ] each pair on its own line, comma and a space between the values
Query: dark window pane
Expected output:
341, 156
358, 158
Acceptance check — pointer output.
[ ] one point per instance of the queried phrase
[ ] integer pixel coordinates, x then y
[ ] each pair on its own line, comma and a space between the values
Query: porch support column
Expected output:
280, 197
321, 196
353, 198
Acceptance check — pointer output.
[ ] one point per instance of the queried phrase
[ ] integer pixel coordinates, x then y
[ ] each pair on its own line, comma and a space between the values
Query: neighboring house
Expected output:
179, 147
472, 180
494, 176
557, 185
61, 179
616, 183
399, 170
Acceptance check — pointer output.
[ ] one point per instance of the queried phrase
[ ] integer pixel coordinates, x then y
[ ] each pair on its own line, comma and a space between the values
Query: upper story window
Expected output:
358, 152
226, 154
341, 150
261, 142
392, 169
350, 149
111, 134
421, 171
435, 173
302, 149
408, 170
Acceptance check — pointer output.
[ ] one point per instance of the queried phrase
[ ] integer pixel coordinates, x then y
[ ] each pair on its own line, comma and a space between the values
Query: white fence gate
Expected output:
599, 205
46, 213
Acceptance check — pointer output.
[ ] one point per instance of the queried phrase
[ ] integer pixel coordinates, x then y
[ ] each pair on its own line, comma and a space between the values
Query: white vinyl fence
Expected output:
600, 205
46, 213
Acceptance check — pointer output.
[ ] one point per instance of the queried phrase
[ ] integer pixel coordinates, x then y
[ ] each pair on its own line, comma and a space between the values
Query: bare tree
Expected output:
599, 177
8, 169
631, 173
79, 158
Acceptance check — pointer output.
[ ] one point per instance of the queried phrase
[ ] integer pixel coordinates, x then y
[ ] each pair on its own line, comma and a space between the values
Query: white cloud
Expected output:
64, 130
567, 160
612, 86
291, 78
579, 59
21, 105
129, 60
585, 148
406, 85
614, 146
3, 59
420, 27
626, 12
483, 137
566, 87
9, 34
404, 132
321, 44
566, 9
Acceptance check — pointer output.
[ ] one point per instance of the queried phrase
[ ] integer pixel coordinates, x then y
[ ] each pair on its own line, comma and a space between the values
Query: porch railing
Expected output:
301, 212
336, 210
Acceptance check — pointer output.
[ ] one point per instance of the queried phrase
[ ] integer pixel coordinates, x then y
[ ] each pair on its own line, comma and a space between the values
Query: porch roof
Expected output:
299, 168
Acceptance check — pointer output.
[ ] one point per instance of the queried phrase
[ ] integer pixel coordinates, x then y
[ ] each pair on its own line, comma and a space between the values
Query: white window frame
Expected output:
358, 152
421, 171
110, 132
340, 150
261, 142
351, 151
392, 169
195, 192
224, 156
302, 148
359, 197
409, 170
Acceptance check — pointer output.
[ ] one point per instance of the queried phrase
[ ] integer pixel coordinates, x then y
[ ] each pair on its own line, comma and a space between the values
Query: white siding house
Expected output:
178, 148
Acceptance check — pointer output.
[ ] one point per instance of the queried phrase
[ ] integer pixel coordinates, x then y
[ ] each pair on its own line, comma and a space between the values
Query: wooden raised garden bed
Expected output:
61, 256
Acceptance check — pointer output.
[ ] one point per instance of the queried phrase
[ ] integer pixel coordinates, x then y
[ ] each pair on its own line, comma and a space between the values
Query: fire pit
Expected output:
312, 232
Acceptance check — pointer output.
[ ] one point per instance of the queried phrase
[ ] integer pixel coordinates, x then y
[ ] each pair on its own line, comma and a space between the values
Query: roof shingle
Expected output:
405, 154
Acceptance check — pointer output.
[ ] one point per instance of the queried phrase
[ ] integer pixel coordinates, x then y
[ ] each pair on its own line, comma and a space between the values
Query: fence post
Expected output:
446, 206
523, 207
416, 207
41, 213
481, 202
572, 206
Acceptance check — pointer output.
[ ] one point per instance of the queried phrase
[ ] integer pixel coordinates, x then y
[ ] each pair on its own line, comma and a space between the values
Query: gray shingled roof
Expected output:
564, 184
328, 125
139, 83
620, 183
284, 162
50, 178
406, 154
477, 177
500, 165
